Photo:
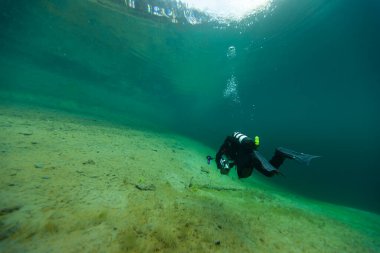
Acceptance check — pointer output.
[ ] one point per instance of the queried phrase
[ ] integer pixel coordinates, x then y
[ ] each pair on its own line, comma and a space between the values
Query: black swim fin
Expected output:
299, 157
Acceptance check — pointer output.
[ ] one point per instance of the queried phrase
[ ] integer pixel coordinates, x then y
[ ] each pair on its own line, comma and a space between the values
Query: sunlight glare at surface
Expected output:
229, 9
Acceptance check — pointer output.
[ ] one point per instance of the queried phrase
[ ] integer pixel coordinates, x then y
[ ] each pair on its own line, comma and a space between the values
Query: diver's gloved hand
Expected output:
225, 164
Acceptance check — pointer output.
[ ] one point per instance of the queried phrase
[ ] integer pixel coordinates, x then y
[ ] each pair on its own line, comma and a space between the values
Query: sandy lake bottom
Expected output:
74, 184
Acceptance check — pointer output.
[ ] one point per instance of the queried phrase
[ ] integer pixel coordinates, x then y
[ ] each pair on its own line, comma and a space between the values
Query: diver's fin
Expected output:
265, 164
299, 157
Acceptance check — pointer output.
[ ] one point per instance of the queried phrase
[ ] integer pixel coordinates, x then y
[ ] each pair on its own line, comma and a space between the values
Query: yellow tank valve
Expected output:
257, 140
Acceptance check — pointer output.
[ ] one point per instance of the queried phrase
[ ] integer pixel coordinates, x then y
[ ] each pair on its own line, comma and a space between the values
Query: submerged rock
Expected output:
146, 187
205, 170
26, 133
39, 165
6, 233
9, 210
89, 162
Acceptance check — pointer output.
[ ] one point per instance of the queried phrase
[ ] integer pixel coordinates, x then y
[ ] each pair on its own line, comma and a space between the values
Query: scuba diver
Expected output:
241, 151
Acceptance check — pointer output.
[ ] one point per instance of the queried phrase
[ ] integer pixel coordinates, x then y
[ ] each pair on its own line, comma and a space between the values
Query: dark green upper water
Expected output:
301, 75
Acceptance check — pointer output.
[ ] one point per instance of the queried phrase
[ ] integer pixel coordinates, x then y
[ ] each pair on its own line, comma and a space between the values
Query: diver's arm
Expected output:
222, 150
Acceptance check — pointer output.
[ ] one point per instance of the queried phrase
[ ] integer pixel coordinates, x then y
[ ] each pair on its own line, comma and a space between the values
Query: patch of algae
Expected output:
83, 196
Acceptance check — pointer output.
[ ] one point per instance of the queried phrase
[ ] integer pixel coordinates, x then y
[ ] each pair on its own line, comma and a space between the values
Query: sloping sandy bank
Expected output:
70, 184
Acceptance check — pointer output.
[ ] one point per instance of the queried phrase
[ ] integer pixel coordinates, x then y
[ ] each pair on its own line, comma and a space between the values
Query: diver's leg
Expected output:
278, 159
262, 165
267, 173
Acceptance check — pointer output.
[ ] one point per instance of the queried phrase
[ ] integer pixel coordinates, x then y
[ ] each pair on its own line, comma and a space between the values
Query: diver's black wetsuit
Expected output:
241, 151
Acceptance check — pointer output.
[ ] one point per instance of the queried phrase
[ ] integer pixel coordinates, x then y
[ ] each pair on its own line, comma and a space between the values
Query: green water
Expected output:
307, 77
